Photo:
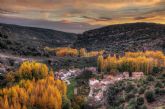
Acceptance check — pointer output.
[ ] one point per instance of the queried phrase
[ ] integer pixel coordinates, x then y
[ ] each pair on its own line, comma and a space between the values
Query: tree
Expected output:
100, 63
82, 52
30, 70
133, 62
42, 92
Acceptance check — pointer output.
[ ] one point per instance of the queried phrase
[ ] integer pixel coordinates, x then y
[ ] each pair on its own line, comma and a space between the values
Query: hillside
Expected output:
30, 41
124, 37
145, 93
115, 38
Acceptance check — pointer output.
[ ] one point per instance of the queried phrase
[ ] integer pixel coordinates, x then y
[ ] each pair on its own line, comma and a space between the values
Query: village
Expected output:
97, 86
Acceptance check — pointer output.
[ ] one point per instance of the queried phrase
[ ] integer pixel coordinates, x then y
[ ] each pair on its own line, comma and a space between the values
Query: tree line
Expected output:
67, 51
146, 62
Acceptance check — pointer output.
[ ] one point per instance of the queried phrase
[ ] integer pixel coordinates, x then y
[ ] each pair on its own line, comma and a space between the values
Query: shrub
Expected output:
143, 107
163, 74
85, 75
9, 77
159, 85
150, 78
140, 101
129, 87
132, 104
129, 96
143, 82
141, 90
112, 95
120, 100
66, 104
159, 91
135, 90
150, 96
156, 70
79, 100
121, 106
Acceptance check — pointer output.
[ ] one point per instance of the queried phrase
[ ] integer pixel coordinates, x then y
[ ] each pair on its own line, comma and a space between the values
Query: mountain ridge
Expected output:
124, 37
26, 40
118, 38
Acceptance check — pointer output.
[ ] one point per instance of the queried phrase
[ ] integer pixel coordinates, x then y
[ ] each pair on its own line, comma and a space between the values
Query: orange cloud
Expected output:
96, 12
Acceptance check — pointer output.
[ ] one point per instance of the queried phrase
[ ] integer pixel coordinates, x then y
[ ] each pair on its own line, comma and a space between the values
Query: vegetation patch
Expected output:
134, 97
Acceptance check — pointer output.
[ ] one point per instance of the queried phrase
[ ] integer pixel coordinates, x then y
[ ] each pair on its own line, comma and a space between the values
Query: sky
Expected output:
80, 15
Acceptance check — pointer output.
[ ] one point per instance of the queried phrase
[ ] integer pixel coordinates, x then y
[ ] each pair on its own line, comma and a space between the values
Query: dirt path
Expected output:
20, 58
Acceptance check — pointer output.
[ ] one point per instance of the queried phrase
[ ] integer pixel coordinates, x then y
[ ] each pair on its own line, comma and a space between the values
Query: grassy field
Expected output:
71, 87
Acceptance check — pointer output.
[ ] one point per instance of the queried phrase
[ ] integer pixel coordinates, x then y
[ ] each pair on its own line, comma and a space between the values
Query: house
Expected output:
99, 96
125, 75
137, 75
92, 69
93, 81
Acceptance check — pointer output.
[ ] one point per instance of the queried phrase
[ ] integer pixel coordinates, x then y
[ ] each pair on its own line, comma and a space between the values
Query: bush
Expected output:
150, 78
143, 107
66, 104
159, 85
85, 75
129, 87
159, 91
129, 96
121, 106
163, 74
140, 101
112, 95
150, 96
156, 70
143, 82
132, 104
120, 99
135, 90
78, 102
141, 90
9, 77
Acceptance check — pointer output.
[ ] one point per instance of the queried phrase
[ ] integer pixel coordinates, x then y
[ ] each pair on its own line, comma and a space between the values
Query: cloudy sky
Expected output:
80, 15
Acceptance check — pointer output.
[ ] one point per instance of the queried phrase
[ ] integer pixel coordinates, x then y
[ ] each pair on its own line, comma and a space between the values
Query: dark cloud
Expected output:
97, 19
65, 26
141, 18
3, 11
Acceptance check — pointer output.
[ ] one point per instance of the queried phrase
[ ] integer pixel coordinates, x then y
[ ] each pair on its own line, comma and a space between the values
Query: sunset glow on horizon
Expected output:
83, 14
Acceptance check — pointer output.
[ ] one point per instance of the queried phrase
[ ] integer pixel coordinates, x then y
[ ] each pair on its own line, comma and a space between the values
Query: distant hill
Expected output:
124, 37
30, 41
119, 38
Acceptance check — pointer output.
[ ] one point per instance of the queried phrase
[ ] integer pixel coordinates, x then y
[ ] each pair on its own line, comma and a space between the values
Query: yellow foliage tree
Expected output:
100, 63
37, 89
82, 52
30, 70
133, 62
45, 94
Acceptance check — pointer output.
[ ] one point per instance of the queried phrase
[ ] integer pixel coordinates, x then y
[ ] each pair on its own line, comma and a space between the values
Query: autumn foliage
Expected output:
30, 70
67, 51
84, 53
39, 93
133, 62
